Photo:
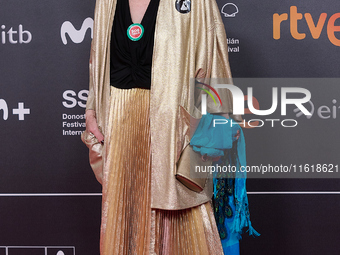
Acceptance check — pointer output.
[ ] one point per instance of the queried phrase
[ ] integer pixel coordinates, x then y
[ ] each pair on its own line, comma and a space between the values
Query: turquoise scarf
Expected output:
215, 136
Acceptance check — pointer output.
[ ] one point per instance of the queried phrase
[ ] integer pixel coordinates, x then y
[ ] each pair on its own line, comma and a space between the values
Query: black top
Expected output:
131, 60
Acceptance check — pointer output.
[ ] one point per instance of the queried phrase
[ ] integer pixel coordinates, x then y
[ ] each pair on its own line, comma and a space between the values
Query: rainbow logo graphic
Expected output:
209, 93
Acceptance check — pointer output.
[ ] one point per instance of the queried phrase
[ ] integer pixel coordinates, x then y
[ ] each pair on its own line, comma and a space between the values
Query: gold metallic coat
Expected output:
186, 46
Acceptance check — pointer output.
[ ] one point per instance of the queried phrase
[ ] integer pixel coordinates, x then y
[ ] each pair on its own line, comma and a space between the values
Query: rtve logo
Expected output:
315, 26
15, 36
77, 36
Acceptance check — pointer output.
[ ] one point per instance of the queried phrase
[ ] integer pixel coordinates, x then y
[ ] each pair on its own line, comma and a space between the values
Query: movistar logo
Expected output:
77, 36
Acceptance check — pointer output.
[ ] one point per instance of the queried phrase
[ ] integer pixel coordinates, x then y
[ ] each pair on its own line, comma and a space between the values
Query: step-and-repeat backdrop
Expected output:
284, 56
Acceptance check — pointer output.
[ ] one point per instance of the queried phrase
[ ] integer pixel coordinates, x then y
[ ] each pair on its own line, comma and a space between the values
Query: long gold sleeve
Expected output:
90, 104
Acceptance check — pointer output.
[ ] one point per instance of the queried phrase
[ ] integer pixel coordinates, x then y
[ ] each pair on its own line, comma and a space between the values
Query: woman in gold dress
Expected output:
140, 122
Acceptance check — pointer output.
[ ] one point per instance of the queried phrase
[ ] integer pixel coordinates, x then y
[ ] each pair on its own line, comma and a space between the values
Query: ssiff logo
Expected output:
77, 36
315, 28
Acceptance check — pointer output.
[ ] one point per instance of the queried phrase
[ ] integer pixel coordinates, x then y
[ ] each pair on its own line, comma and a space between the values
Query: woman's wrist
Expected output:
90, 113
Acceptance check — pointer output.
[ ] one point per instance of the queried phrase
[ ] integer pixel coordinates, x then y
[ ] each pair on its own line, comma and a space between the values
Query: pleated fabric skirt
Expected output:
129, 225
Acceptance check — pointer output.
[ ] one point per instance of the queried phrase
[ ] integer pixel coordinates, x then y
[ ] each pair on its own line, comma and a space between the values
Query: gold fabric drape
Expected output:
129, 225
186, 46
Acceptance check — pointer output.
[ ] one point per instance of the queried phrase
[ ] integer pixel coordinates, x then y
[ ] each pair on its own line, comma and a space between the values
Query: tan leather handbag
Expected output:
188, 174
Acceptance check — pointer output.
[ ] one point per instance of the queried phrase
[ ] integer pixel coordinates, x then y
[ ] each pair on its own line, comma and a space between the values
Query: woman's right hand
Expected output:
92, 126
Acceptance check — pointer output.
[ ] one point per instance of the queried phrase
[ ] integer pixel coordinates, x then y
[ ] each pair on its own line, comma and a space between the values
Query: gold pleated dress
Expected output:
129, 225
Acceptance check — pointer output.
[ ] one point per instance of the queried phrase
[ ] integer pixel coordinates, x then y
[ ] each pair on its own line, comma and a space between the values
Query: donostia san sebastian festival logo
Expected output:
253, 105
